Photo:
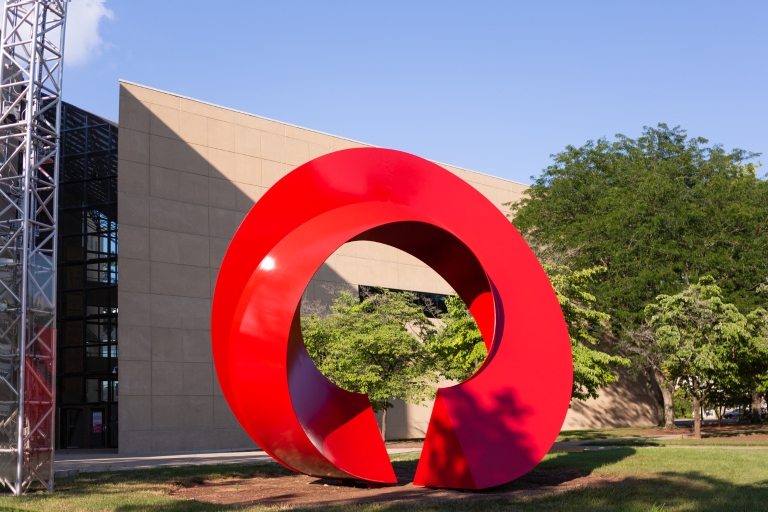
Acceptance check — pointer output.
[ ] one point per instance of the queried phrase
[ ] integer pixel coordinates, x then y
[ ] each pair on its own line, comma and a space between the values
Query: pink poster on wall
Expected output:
97, 422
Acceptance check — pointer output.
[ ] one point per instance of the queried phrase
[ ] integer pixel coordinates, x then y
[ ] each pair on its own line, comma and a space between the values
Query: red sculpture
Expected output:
485, 431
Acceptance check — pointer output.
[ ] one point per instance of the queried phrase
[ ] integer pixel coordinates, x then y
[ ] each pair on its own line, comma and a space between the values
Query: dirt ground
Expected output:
300, 490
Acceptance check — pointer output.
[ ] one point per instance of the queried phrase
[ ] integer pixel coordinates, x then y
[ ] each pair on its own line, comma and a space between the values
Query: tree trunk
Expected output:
721, 410
667, 393
653, 387
755, 416
384, 424
696, 418
660, 412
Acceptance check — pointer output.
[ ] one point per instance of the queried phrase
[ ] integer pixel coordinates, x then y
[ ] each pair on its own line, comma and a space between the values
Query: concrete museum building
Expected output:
160, 195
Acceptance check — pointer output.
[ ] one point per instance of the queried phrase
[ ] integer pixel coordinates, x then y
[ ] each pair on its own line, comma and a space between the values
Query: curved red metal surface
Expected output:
485, 431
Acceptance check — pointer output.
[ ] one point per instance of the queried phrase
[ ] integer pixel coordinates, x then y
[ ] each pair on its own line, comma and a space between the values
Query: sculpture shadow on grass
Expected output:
553, 485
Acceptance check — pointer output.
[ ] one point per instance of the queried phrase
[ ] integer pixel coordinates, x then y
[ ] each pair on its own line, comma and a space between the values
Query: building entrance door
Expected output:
71, 428
97, 428
88, 427
112, 427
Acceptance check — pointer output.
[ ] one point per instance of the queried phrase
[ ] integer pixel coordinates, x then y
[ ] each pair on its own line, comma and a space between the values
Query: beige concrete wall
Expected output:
188, 172
625, 403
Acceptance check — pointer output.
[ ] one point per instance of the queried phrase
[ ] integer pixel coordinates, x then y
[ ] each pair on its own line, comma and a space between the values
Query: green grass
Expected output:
757, 432
623, 433
588, 435
642, 479
139, 490
400, 456
674, 442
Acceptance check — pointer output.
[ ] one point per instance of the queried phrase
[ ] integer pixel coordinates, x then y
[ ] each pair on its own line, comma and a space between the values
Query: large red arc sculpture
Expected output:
486, 431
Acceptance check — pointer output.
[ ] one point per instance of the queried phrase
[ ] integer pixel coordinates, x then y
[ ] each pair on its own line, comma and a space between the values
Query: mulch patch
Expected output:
301, 490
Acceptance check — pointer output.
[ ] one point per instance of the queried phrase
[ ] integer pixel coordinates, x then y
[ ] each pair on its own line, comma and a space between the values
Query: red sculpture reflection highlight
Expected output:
485, 431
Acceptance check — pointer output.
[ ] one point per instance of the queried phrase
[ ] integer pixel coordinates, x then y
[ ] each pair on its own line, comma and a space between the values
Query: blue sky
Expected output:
494, 87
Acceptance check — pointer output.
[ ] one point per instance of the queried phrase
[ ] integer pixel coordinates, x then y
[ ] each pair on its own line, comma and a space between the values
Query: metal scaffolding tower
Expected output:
31, 46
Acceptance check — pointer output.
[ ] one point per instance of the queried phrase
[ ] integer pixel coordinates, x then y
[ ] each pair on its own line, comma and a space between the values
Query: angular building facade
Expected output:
187, 172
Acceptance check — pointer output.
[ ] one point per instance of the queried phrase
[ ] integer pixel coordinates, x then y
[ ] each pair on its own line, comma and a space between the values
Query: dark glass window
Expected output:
87, 282
433, 304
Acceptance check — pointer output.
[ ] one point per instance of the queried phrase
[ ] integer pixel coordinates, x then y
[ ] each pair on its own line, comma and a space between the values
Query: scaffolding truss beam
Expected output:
31, 57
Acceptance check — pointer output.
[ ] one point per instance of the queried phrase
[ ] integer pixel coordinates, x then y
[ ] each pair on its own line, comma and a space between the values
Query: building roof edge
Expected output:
108, 121
121, 80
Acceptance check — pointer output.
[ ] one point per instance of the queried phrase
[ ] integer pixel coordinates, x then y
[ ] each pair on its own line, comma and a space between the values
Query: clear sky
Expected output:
492, 86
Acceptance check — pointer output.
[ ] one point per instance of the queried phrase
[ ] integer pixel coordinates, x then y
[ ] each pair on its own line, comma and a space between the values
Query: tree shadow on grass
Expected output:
585, 462
591, 435
626, 442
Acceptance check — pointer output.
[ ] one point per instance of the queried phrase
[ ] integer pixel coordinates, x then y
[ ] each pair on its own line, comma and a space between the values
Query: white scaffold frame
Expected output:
31, 46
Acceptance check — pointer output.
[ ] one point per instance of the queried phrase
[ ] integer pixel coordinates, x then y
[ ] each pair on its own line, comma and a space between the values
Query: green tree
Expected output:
592, 368
647, 357
459, 347
683, 404
747, 378
753, 361
718, 399
696, 333
657, 212
375, 346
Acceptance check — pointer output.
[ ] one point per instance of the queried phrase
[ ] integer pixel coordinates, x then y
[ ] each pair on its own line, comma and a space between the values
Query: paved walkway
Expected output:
72, 462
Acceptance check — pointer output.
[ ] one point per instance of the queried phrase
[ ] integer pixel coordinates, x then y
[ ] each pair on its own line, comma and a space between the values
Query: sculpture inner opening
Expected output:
395, 345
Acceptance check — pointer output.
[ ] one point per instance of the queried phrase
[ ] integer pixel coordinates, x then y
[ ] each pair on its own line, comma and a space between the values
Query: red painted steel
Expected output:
485, 431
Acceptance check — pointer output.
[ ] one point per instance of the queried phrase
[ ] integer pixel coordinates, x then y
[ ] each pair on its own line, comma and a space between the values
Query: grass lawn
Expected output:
639, 479
589, 435
675, 442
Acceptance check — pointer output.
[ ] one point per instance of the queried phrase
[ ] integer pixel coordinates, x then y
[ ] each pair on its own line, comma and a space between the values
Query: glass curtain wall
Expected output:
87, 390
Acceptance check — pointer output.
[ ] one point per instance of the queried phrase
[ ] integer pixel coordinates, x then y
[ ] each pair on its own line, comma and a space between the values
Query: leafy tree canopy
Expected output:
657, 212
375, 346
700, 338
592, 368
746, 378
753, 361
459, 348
